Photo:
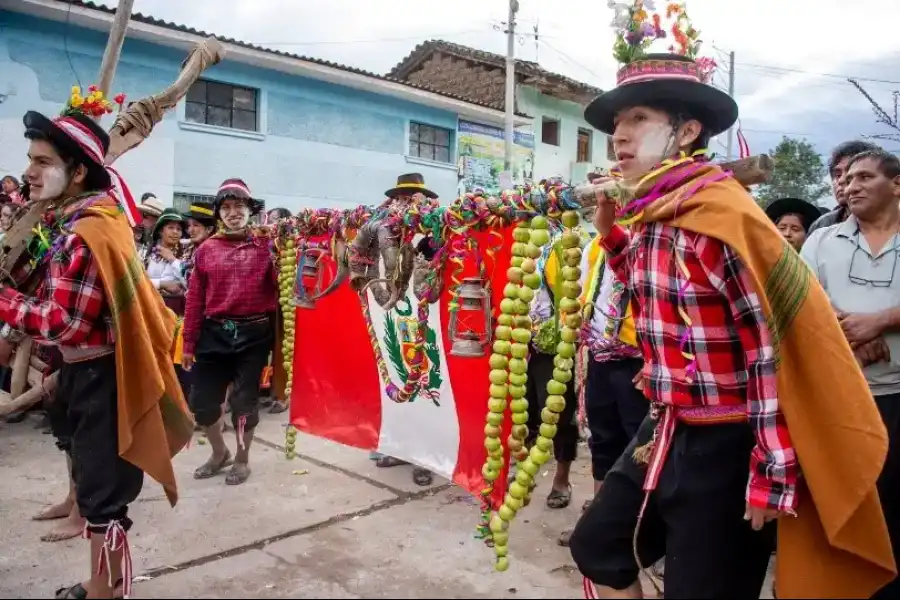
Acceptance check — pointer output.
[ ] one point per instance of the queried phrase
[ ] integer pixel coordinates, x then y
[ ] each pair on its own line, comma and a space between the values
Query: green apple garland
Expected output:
287, 262
509, 370
509, 366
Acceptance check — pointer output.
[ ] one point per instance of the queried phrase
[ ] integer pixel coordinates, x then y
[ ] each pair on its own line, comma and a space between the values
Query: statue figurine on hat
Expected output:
88, 297
746, 368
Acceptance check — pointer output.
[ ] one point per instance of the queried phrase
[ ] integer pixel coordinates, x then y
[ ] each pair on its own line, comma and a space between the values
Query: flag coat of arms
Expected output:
338, 394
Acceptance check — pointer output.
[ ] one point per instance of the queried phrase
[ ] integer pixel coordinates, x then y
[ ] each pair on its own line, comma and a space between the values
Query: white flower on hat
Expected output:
622, 15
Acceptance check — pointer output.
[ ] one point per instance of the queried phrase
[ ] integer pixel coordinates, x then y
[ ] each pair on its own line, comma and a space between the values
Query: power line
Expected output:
568, 58
370, 41
804, 72
789, 133
778, 69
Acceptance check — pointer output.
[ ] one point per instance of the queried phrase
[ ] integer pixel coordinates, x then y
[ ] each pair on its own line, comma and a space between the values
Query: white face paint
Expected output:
235, 214
655, 145
53, 183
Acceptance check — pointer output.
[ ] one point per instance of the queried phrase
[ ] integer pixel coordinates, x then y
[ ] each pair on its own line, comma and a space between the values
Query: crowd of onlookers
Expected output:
165, 239
12, 199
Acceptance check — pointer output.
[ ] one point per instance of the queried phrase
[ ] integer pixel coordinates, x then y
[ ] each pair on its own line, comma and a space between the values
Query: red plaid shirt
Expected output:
230, 279
70, 308
728, 335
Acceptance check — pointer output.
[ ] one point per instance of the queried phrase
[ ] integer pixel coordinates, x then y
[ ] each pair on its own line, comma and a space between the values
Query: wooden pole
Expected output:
114, 45
21, 364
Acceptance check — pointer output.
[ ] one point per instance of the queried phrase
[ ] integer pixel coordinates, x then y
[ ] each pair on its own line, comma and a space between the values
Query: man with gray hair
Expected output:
837, 168
856, 262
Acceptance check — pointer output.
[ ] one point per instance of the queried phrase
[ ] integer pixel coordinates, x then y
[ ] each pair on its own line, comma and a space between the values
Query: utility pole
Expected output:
730, 93
510, 84
114, 45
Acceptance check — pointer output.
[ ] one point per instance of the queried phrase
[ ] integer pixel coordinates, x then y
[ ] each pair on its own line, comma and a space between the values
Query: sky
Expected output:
792, 57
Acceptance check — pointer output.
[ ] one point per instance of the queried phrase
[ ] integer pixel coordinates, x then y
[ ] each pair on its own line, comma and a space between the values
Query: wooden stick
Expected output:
20, 366
754, 170
10, 405
135, 123
747, 171
114, 45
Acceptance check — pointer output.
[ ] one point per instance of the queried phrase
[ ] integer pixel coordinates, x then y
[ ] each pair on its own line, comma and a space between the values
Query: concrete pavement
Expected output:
327, 525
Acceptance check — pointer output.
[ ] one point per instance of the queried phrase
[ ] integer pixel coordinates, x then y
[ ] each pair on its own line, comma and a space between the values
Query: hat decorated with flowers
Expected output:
679, 76
77, 132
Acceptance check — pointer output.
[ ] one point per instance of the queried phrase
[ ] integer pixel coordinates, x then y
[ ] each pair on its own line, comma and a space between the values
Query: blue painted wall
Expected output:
319, 145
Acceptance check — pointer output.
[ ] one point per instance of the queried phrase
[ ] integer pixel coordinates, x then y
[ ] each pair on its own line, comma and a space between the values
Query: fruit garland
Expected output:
287, 262
472, 211
509, 364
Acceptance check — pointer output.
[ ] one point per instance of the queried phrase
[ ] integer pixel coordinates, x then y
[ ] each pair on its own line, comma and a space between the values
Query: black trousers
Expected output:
694, 518
84, 419
540, 371
889, 483
615, 410
230, 353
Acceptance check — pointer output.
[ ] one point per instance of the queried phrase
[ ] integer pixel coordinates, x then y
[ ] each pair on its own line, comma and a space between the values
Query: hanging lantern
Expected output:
309, 269
474, 297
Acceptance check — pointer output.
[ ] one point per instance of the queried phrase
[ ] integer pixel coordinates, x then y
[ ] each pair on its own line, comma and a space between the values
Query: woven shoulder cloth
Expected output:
154, 420
838, 546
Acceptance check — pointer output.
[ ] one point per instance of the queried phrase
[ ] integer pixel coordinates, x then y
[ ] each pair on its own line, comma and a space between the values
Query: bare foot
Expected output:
57, 511
72, 527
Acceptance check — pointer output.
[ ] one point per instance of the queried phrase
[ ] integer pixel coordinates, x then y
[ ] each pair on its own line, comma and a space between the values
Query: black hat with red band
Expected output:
77, 134
237, 189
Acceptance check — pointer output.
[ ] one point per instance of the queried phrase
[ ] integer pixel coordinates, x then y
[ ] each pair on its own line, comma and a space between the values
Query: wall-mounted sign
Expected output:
481, 150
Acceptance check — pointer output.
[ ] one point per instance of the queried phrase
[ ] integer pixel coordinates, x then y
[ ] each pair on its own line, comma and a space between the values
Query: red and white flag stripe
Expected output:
743, 146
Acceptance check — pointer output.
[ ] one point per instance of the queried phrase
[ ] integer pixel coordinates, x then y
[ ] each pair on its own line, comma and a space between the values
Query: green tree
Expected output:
799, 173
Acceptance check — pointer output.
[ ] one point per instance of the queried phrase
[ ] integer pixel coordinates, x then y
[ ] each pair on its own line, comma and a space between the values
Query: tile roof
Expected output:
523, 67
142, 18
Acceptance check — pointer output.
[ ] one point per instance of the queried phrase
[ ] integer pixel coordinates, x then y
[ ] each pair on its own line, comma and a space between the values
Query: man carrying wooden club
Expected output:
125, 414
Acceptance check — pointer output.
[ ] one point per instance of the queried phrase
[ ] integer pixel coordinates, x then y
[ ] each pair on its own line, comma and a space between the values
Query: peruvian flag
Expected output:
339, 394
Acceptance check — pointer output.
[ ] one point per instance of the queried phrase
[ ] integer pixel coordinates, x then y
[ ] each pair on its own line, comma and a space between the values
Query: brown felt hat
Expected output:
409, 184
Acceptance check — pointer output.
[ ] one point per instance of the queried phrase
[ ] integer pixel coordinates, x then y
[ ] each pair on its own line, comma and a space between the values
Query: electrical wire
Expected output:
567, 58
371, 41
66, 40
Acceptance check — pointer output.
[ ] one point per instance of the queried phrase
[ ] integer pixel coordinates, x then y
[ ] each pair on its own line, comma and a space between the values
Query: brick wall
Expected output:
456, 75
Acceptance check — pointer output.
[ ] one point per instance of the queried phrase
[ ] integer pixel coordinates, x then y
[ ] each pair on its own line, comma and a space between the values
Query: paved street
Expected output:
327, 525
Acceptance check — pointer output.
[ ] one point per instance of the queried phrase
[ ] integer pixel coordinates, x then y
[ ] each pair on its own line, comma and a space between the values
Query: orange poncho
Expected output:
838, 546
154, 421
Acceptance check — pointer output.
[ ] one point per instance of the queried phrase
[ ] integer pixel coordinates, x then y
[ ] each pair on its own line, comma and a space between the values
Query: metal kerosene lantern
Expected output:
474, 297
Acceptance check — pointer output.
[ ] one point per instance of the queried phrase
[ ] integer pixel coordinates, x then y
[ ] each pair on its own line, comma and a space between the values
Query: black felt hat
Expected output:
664, 77
409, 184
807, 211
78, 136
236, 188
202, 212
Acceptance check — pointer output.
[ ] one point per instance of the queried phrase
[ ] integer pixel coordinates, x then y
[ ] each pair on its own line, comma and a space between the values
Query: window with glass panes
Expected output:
183, 203
429, 142
222, 105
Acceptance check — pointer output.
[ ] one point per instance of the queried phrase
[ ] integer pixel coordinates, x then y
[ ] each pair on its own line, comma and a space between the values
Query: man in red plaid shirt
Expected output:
229, 329
721, 467
65, 302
